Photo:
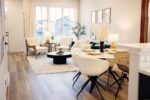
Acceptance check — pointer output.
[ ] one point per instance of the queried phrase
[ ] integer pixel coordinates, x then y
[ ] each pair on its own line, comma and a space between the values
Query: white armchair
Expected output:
33, 43
65, 43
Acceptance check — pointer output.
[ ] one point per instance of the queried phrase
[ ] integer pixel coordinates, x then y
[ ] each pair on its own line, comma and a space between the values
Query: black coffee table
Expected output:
59, 58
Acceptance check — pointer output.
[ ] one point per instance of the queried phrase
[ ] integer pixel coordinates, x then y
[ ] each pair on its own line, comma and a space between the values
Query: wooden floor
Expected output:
25, 85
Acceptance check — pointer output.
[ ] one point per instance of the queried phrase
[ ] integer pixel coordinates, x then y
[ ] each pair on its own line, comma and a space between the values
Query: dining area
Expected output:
105, 71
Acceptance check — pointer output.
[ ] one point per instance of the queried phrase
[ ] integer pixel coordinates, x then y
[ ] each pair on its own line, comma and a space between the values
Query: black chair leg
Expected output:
117, 81
121, 81
83, 86
99, 91
108, 79
93, 82
100, 85
114, 77
76, 75
116, 74
76, 78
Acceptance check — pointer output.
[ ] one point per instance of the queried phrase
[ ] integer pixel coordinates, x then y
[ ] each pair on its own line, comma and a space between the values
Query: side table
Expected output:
50, 46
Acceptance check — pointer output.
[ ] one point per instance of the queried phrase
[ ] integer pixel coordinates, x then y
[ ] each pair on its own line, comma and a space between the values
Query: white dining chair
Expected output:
93, 68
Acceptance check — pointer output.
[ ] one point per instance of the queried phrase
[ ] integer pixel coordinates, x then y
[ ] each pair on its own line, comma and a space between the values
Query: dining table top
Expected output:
104, 55
107, 54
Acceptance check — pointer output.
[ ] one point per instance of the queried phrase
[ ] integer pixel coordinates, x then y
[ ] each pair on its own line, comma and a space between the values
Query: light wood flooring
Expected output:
25, 85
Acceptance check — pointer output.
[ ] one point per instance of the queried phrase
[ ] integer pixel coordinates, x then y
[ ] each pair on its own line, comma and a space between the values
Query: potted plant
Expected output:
78, 30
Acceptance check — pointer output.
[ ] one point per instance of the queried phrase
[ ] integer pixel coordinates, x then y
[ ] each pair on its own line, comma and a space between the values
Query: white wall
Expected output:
125, 17
15, 25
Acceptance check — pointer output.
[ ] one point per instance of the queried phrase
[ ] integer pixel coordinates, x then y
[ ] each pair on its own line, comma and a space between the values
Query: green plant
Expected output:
78, 30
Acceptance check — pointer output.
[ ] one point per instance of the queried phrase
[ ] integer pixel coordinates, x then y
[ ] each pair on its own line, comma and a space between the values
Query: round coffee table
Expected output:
59, 58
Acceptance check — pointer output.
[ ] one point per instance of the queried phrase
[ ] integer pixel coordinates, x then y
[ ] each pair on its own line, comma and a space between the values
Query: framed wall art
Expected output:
107, 15
93, 15
99, 16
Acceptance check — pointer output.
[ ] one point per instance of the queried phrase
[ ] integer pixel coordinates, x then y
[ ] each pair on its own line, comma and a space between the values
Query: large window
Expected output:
56, 22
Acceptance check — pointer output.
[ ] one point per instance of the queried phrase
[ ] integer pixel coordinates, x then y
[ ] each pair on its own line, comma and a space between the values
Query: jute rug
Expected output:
44, 65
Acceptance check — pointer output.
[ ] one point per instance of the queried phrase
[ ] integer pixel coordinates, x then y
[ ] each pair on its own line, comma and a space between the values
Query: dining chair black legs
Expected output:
118, 80
83, 86
94, 83
76, 77
121, 80
110, 72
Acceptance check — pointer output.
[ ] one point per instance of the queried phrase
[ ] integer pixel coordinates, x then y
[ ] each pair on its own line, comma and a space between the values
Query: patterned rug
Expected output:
44, 65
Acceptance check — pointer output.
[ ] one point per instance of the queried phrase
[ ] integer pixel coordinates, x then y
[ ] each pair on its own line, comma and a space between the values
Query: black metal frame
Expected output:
118, 81
76, 77
94, 83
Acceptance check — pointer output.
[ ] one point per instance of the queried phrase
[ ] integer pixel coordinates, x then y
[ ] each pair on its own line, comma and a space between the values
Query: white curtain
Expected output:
29, 17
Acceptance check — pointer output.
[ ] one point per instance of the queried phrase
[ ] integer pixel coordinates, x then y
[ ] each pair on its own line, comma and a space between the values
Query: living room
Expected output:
75, 50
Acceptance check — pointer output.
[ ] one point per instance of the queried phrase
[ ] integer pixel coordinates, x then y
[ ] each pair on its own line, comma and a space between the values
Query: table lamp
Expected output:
47, 37
113, 38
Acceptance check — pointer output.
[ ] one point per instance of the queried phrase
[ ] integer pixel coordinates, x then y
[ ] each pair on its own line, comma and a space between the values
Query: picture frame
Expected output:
93, 17
99, 16
107, 15
93, 36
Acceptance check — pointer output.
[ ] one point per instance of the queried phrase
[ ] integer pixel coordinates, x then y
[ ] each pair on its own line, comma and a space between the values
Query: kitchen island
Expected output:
139, 70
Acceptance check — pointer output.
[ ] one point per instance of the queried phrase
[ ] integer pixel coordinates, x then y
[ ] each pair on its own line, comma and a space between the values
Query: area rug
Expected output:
44, 65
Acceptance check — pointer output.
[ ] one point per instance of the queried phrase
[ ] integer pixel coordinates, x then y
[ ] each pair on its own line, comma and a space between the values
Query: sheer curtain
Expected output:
29, 17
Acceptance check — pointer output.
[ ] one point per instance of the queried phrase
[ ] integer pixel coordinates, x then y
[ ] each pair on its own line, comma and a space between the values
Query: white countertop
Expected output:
140, 46
137, 45
144, 70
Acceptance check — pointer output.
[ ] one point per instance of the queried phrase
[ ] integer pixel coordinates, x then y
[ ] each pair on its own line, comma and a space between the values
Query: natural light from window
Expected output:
57, 22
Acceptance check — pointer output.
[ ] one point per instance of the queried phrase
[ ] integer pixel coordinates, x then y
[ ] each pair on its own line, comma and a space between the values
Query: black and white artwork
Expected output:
99, 16
107, 15
93, 17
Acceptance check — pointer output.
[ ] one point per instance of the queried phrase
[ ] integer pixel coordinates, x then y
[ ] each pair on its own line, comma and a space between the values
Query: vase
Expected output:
101, 46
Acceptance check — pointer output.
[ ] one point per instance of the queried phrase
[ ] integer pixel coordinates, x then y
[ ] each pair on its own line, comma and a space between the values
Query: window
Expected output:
68, 21
55, 21
55, 16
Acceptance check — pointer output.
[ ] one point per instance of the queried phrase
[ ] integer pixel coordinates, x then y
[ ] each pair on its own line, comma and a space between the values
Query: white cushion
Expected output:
90, 66
33, 41
65, 41
41, 49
